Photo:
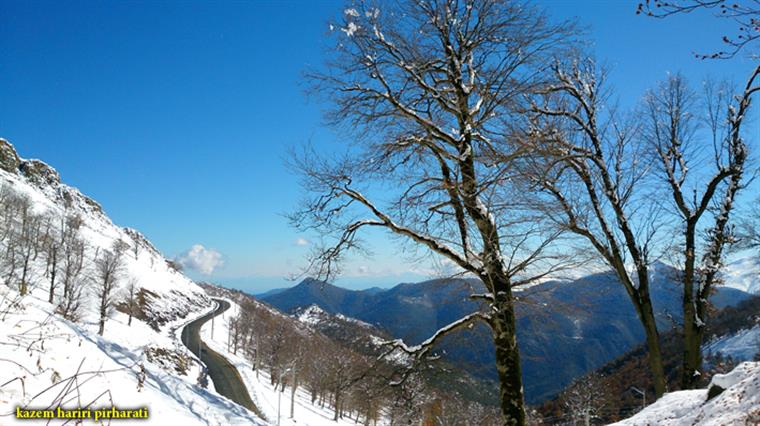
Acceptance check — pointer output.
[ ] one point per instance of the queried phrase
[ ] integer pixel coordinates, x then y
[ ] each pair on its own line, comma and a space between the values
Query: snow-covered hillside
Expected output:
265, 396
48, 361
743, 345
169, 294
744, 274
737, 404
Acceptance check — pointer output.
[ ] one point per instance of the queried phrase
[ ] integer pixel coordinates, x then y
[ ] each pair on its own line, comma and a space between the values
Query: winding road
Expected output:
227, 380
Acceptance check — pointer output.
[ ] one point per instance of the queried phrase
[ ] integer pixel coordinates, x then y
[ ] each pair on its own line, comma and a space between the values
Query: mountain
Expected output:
271, 292
579, 324
48, 359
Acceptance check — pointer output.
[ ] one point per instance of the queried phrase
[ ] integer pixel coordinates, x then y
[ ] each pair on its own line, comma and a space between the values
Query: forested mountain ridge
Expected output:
580, 324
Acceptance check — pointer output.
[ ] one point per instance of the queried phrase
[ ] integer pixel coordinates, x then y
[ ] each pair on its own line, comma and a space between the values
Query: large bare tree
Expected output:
599, 170
108, 269
703, 156
729, 154
429, 92
592, 168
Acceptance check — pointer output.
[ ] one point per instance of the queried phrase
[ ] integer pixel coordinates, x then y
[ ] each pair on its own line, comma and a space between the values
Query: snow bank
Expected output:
738, 404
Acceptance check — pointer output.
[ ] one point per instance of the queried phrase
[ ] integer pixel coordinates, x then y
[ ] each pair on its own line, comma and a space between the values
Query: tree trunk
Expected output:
337, 406
293, 393
102, 323
653, 345
692, 358
508, 361
54, 266
24, 287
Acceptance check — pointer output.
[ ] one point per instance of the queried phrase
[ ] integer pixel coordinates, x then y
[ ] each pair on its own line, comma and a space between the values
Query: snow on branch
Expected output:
420, 350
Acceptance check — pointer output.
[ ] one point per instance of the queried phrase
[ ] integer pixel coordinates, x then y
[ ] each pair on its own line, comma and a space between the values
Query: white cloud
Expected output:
302, 242
201, 259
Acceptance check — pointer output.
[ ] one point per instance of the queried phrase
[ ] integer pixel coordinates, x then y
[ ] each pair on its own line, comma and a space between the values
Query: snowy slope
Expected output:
46, 361
318, 319
45, 352
175, 294
262, 392
743, 345
738, 404
743, 274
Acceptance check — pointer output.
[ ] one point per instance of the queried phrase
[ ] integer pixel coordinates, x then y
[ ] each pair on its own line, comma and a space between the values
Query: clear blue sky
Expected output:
176, 116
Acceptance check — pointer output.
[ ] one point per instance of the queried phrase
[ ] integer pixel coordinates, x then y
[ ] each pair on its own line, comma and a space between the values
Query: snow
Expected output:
740, 346
739, 404
311, 315
43, 346
733, 377
350, 29
743, 274
262, 392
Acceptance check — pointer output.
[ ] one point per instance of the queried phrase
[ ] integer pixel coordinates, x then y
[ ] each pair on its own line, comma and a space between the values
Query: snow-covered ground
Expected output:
741, 346
743, 274
41, 353
738, 404
262, 392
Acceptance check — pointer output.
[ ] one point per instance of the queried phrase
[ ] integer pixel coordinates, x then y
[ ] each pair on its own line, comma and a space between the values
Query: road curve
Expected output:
227, 380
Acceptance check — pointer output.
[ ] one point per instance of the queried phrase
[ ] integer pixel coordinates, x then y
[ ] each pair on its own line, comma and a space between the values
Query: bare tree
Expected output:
71, 270
430, 90
745, 14
592, 168
27, 245
7, 196
51, 242
21, 232
13, 207
585, 398
131, 302
108, 268
672, 129
136, 247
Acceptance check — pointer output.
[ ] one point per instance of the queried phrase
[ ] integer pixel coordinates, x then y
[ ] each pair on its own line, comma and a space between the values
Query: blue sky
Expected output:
177, 116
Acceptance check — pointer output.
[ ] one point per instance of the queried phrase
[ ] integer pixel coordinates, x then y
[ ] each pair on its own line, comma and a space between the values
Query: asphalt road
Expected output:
226, 378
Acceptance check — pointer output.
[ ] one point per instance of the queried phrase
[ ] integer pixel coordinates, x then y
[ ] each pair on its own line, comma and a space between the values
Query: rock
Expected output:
39, 173
714, 391
9, 160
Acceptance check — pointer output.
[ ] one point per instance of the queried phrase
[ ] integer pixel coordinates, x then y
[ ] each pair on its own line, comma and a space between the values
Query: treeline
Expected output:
360, 387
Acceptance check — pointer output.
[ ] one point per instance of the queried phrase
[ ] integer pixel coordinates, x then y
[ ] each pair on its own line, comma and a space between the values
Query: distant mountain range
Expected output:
578, 325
